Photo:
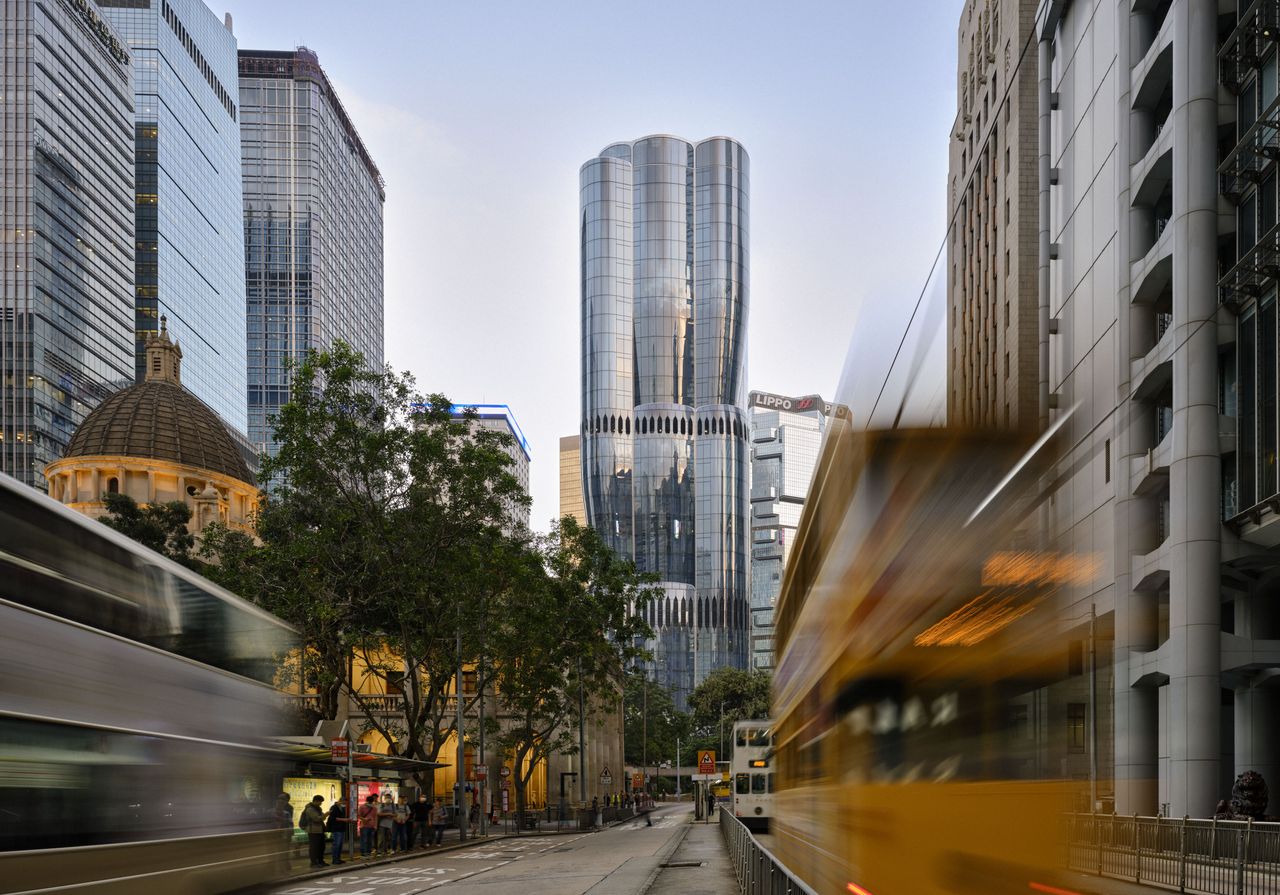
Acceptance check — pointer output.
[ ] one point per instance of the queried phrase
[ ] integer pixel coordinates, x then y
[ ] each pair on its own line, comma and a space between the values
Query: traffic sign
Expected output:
339, 750
481, 772
706, 762
704, 778
637, 781
506, 799
505, 772
606, 779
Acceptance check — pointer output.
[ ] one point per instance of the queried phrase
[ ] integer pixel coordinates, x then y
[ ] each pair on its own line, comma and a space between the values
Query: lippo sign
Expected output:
804, 404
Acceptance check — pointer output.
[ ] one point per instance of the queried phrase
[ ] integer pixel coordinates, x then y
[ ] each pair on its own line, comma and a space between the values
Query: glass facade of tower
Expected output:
786, 437
66, 259
312, 226
664, 234
189, 240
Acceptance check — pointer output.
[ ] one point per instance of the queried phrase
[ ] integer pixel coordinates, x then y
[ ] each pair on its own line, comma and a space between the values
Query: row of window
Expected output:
198, 58
666, 425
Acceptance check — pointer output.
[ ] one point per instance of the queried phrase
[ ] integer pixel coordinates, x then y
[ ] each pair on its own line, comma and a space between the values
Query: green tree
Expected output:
649, 709
381, 539
727, 695
560, 643
160, 526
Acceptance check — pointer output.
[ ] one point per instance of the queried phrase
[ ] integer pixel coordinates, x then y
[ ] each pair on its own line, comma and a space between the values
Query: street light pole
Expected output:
644, 744
722, 730
461, 768
677, 767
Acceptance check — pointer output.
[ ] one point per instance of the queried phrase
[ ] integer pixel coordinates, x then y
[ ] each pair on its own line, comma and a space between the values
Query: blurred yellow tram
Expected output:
920, 691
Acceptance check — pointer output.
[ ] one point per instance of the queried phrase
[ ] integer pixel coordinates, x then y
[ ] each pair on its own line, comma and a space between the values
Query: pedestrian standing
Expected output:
420, 822
439, 820
312, 823
367, 820
386, 823
400, 835
336, 823
711, 802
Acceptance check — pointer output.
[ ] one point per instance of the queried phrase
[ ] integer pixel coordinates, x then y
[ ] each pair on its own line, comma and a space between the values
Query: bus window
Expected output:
744, 784
759, 736
758, 784
742, 738
769, 782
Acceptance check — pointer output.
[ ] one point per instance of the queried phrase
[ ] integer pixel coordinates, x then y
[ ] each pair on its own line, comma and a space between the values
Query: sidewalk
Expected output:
700, 864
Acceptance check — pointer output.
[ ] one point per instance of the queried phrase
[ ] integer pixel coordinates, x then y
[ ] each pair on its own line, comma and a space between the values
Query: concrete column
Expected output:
1195, 529
1257, 733
151, 486
1044, 77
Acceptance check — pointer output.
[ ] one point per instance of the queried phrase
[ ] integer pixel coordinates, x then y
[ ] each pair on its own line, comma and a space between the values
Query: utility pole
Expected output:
722, 728
582, 740
677, 767
461, 767
1093, 709
644, 745
484, 805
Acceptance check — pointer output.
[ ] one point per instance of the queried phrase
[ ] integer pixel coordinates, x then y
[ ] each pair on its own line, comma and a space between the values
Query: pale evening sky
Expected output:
480, 114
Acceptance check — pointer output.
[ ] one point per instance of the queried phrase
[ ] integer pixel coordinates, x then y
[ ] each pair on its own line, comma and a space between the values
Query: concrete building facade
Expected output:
1157, 289
665, 295
992, 325
786, 436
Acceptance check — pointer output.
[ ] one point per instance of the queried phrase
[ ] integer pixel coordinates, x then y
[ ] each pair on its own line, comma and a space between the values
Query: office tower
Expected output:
1158, 274
312, 226
992, 325
66, 152
665, 292
499, 418
571, 479
786, 435
189, 262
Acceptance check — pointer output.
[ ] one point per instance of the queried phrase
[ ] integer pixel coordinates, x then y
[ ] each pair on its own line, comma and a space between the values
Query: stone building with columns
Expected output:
157, 442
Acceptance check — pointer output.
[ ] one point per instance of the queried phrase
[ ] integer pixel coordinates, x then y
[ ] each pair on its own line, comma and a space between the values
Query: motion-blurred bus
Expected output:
921, 694
751, 771
137, 703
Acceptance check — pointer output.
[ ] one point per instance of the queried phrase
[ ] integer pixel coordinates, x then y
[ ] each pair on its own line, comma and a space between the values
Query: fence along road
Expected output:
1203, 857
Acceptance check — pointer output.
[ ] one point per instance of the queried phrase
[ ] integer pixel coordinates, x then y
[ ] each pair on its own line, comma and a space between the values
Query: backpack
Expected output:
302, 820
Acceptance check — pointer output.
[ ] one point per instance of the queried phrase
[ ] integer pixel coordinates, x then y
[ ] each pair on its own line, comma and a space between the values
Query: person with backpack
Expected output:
401, 828
367, 821
336, 822
312, 823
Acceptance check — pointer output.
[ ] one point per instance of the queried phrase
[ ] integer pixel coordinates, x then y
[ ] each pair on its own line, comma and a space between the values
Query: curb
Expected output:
350, 866
664, 855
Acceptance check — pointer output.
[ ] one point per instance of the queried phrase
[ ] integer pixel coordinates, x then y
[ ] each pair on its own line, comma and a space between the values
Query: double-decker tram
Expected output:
751, 770
137, 706
920, 695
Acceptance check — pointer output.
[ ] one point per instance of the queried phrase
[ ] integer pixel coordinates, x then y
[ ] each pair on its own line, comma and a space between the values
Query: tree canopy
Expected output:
160, 526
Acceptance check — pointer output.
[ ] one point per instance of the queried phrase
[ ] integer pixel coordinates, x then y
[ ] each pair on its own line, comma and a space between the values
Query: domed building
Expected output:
157, 442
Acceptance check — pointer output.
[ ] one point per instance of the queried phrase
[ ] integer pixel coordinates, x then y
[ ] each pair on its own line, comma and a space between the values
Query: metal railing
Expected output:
758, 871
1207, 857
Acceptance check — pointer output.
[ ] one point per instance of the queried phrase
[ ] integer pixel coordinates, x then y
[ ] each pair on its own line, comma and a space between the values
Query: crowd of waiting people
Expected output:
384, 827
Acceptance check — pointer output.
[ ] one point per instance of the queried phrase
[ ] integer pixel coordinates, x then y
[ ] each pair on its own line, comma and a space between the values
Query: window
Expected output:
1106, 460
1075, 726
743, 784
758, 785
1007, 157
113, 485
1246, 452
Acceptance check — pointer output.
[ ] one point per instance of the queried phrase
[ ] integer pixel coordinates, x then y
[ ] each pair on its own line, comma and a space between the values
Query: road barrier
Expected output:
1207, 857
758, 871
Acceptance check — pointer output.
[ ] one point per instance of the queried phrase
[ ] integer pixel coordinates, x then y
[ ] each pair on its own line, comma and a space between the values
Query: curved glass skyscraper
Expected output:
665, 292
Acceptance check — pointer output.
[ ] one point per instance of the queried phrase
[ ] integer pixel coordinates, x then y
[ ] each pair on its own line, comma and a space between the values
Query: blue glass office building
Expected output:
66, 215
189, 261
665, 292
312, 225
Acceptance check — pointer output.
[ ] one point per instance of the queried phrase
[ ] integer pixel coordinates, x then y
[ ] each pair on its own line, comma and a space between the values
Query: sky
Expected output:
479, 115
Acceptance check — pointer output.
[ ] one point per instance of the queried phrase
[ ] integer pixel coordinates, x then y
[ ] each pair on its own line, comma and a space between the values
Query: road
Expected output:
616, 861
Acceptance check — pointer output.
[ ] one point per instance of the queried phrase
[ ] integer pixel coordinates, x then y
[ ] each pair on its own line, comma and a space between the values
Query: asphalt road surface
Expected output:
616, 861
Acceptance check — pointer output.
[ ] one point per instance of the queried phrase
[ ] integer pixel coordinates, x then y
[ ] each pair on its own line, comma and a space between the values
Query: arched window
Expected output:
698, 427
113, 485
613, 424
721, 426
628, 425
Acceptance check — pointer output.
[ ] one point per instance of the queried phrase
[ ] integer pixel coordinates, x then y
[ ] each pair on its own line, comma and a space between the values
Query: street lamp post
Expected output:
722, 730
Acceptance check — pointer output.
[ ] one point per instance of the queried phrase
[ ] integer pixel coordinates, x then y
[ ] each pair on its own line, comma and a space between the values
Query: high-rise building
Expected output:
499, 418
312, 226
66, 212
1158, 273
189, 236
992, 324
571, 479
665, 293
786, 435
